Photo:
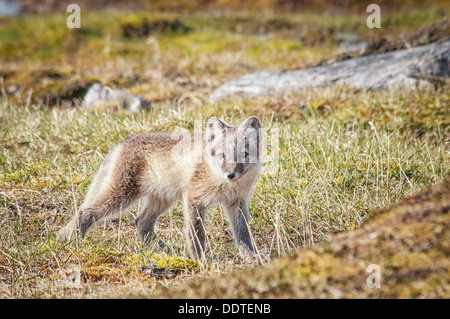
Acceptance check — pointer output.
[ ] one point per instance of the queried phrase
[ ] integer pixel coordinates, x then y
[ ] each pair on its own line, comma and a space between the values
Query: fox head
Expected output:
233, 150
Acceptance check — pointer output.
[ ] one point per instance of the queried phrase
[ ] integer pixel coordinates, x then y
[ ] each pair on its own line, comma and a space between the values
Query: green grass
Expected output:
341, 153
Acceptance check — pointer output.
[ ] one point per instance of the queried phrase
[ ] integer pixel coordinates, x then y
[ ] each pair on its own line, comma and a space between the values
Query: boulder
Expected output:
402, 69
101, 94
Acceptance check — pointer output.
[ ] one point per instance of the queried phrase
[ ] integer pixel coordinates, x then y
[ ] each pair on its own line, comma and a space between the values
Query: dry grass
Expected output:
407, 241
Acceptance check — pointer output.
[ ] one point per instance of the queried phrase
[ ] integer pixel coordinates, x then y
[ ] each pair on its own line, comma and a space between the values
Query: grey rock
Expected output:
408, 68
100, 94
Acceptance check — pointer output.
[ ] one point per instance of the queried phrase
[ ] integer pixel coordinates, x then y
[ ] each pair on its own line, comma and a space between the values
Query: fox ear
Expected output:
251, 123
214, 124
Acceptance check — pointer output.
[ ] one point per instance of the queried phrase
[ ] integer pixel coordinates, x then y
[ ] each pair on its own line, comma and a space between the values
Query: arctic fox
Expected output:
218, 167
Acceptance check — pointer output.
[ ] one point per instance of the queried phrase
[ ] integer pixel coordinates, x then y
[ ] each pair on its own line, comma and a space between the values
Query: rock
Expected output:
406, 69
160, 272
101, 94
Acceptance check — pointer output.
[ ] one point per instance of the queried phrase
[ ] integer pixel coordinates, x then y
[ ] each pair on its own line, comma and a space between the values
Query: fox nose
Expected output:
231, 175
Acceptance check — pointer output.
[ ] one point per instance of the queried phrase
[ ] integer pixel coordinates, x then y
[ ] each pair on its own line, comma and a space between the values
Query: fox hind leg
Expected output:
98, 209
114, 188
77, 226
88, 217
152, 208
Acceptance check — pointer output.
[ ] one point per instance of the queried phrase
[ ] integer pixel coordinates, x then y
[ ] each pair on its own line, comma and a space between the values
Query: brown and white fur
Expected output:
204, 170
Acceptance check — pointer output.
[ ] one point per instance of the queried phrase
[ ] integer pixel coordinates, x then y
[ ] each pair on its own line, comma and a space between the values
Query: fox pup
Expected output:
218, 167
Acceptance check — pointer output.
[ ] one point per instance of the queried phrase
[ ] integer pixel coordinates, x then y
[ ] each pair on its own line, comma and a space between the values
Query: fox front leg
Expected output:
195, 228
237, 213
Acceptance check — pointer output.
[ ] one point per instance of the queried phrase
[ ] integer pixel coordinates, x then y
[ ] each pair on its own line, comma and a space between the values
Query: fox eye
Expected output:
220, 155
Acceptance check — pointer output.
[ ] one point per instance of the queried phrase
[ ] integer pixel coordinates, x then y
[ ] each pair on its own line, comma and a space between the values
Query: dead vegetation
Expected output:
408, 241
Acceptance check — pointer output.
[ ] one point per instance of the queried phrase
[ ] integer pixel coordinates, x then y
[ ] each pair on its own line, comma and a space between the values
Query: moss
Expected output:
112, 274
175, 263
51, 245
